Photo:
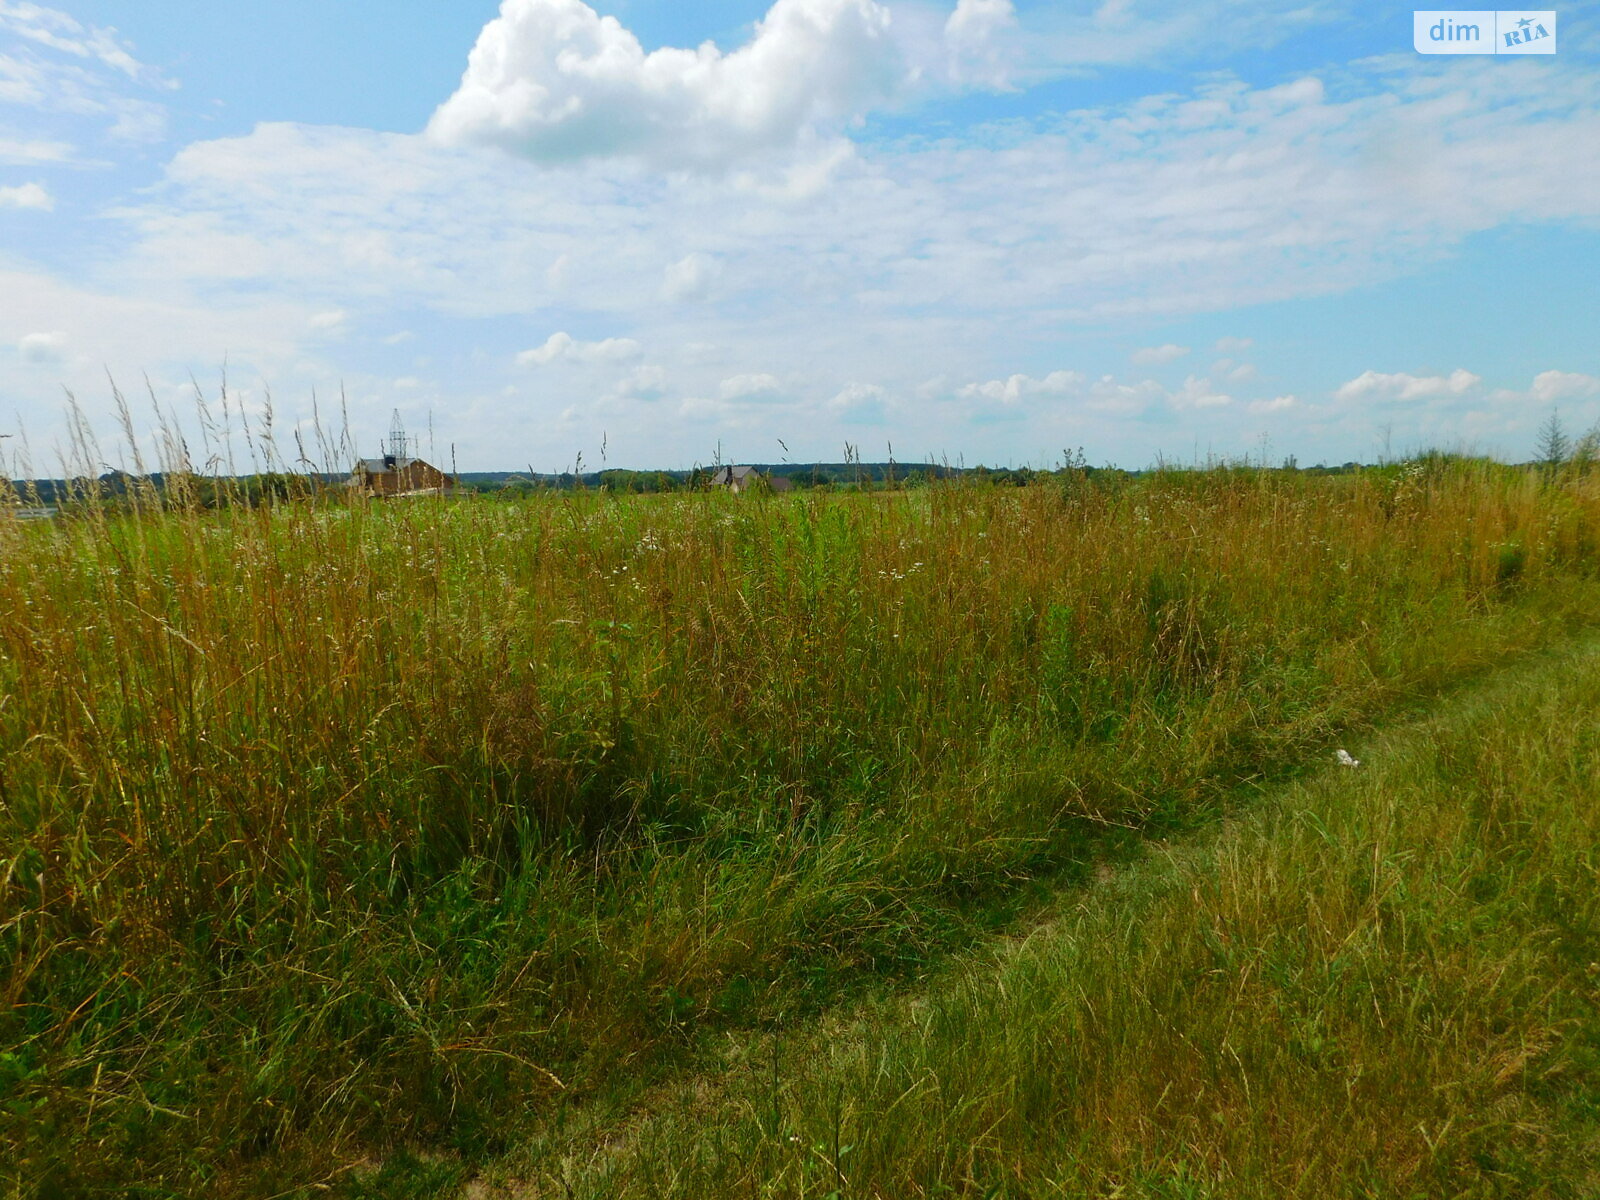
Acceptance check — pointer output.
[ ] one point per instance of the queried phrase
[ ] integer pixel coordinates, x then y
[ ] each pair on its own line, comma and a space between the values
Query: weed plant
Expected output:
332, 827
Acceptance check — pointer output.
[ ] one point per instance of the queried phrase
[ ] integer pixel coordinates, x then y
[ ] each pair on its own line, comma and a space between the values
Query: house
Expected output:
397, 475
743, 479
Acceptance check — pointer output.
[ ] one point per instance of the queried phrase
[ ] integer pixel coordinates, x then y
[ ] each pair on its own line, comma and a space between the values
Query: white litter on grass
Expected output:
1342, 757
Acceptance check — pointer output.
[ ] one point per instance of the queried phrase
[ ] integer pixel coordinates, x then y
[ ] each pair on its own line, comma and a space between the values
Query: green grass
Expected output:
330, 834
1381, 982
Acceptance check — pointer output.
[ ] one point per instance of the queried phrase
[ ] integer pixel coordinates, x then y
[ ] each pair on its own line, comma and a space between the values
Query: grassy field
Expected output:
1384, 981
338, 834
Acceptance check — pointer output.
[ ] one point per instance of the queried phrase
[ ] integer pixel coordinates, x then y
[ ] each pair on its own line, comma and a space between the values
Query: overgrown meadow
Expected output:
1376, 981
332, 830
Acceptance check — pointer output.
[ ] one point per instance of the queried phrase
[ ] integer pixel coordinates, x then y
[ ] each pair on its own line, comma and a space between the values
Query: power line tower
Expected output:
399, 445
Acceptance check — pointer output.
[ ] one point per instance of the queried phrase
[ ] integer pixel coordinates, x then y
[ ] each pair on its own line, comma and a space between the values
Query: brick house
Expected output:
396, 475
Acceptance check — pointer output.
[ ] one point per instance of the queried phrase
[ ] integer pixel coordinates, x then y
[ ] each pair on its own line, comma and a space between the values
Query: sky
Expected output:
647, 234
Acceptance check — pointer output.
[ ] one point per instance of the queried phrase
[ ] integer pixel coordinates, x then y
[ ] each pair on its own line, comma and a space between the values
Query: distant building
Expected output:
394, 475
397, 473
743, 479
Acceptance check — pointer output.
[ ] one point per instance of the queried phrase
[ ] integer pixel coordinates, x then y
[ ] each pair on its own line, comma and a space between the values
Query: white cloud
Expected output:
331, 321
41, 348
1106, 396
1106, 212
1113, 397
862, 401
552, 80
563, 347
1276, 404
690, 278
959, 256
740, 401
857, 404
1551, 386
62, 32
1233, 371
27, 195
1156, 355
1056, 39
1233, 345
978, 37
28, 153
73, 336
1402, 386
58, 65
739, 386
1198, 393
646, 382
1014, 389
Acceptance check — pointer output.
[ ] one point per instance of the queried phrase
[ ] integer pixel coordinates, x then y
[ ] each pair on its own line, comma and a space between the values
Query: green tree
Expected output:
1554, 445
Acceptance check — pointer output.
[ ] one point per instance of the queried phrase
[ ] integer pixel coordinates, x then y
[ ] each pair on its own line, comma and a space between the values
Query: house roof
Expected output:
377, 466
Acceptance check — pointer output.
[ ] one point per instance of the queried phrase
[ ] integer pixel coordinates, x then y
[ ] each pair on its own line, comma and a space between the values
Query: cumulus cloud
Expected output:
1115, 397
553, 81
1156, 355
332, 321
977, 39
860, 403
690, 278
1198, 393
1276, 404
1403, 386
27, 195
1551, 386
41, 348
646, 382
737, 387
1106, 212
563, 347
1107, 395
1014, 389
1233, 345
1233, 371
963, 255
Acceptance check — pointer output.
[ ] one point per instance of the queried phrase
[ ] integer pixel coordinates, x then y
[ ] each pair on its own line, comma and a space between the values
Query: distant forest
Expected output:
211, 491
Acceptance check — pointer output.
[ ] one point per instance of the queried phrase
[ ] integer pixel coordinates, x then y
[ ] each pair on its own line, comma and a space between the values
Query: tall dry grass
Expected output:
332, 826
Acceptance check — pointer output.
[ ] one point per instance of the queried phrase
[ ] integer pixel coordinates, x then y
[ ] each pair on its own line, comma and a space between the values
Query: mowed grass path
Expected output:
330, 833
1382, 982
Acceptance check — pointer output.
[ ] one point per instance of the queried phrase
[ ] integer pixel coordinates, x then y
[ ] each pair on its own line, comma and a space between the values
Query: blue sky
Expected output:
980, 231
